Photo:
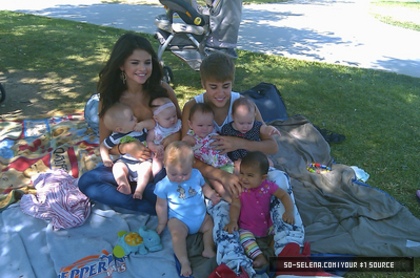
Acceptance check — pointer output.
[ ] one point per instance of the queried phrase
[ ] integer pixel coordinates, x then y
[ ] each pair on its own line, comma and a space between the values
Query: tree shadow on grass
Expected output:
50, 64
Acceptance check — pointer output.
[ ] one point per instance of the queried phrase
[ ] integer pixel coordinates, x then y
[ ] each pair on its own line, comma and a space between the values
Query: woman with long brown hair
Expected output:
132, 76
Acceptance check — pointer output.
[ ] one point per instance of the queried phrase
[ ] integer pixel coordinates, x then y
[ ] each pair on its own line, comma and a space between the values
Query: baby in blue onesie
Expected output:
180, 203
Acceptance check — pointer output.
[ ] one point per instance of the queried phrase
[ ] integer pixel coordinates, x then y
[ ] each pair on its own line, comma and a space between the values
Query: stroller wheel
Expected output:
168, 76
2, 93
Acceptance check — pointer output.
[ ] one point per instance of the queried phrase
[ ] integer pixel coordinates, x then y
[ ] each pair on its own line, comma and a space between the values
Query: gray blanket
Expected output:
340, 215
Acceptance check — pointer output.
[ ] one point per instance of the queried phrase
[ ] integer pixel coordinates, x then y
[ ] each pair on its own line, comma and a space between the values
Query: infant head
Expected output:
253, 169
178, 160
201, 119
243, 114
164, 112
120, 118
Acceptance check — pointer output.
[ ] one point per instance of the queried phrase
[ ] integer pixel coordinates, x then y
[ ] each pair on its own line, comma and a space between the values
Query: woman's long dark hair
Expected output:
110, 85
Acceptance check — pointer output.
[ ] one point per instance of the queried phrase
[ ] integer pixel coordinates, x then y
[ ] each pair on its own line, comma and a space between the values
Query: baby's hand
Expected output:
288, 217
271, 130
159, 151
108, 163
160, 228
230, 227
215, 198
139, 126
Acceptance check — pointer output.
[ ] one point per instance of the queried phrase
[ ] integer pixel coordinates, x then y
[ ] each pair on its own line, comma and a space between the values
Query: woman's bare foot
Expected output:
123, 185
209, 253
260, 260
186, 270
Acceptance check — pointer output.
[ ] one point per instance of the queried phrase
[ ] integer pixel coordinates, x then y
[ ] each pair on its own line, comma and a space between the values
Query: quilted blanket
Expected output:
31, 146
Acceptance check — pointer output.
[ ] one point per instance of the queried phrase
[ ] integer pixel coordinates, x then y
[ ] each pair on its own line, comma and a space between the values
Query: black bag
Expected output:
268, 100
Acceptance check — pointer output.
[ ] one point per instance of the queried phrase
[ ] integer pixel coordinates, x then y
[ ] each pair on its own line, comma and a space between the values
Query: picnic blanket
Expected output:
33, 247
31, 146
340, 215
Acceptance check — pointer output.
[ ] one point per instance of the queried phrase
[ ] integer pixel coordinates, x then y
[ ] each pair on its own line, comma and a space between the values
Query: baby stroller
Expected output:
192, 32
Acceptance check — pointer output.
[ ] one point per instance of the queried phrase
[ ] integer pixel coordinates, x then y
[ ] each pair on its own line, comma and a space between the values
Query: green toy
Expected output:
128, 139
141, 242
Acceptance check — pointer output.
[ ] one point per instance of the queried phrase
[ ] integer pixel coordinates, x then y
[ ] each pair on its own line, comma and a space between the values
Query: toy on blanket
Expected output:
142, 242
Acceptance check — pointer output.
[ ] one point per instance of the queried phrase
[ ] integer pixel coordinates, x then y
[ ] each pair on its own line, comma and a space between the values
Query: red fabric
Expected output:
223, 271
291, 253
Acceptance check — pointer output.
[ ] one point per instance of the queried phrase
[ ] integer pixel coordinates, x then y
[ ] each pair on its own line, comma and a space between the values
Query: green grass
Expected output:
391, 4
55, 50
403, 24
376, 110
397, 13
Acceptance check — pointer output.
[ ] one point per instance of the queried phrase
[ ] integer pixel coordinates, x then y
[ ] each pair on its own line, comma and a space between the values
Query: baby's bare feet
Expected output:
123, 185
208, 253
186, 270
259, 261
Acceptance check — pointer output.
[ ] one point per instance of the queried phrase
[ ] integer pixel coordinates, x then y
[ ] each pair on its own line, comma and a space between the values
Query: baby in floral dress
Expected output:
201, 123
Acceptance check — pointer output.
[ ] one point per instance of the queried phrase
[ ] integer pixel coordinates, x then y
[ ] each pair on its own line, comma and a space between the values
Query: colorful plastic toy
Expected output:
314, 168
142, 242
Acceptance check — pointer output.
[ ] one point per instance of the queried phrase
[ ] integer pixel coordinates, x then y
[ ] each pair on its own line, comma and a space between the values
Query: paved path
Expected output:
333, 31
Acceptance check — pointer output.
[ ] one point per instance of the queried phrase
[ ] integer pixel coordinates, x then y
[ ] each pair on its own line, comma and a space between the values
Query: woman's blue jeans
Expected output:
99, 185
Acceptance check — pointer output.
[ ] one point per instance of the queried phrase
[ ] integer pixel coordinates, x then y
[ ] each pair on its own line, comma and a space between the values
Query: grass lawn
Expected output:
398, 13
377, 111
